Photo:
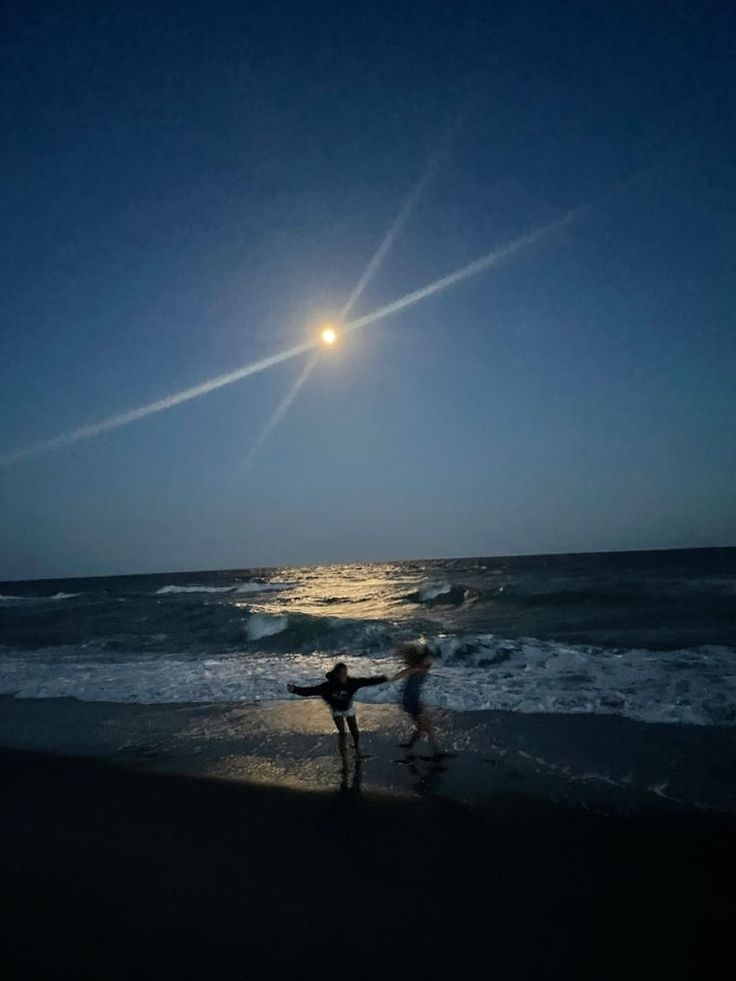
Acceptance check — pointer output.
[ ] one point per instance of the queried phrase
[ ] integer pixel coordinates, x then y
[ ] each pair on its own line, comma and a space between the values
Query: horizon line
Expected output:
435, 558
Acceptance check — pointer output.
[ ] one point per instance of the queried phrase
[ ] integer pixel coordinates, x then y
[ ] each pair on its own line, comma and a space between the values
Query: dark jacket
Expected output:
338, 696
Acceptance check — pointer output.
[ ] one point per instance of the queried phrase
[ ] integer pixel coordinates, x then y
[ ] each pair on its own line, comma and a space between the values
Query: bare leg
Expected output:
424, 725
414, 738
354, 732
342, 739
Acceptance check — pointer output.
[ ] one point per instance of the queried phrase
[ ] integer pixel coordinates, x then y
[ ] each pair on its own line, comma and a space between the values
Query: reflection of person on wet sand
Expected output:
418, 662
428, 777
338, 692
352, 786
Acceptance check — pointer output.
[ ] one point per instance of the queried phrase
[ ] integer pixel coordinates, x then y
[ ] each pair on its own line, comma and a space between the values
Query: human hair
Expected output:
413, 654
338, 667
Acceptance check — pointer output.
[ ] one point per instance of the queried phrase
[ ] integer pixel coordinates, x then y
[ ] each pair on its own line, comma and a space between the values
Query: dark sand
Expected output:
109, 872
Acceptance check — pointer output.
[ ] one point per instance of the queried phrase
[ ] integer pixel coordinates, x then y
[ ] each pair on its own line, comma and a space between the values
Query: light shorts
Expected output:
348, 713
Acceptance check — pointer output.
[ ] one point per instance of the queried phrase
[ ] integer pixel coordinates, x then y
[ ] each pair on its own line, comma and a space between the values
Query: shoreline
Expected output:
111, 872
603, 763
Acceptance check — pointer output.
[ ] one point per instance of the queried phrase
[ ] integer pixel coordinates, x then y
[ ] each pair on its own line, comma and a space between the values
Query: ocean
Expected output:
649, 636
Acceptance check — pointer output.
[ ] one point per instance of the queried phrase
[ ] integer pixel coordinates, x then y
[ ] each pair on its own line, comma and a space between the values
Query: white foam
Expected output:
262, 625
433, 590
244, 588
159, 680
264, 587
689, 686
37, 599
194, 589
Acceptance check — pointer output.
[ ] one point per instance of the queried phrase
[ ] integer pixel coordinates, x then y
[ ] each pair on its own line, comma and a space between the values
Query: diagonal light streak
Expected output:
511, 248
369, 272
177, 398
390, 237
168, 402
472, 269
283, 407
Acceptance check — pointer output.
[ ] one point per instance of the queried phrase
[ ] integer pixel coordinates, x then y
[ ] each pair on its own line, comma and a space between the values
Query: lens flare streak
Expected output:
390, 237
177, 398
168, 402
472, 269
282, 408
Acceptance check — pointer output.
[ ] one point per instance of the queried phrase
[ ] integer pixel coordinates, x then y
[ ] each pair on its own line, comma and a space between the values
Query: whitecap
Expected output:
472, 672
37, 599
432, 591
262, 625
263, 587
165, 590
246, 588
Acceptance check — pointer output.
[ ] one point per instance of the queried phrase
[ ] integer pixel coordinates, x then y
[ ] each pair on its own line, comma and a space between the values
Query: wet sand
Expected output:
604, 763
112, 872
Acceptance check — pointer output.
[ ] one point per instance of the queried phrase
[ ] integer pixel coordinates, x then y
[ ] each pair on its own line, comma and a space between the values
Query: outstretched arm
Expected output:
305, 691
378, 679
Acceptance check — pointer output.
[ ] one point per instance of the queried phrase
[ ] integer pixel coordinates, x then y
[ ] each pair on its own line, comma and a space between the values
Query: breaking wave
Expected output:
262, 625
440, 594
472, 672
646, 636
12, 600
246, 588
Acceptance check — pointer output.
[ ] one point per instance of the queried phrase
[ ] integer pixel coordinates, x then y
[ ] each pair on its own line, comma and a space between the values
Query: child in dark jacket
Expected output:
338, 692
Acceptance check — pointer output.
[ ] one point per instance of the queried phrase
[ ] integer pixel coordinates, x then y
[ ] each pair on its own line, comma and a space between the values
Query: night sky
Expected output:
187, 188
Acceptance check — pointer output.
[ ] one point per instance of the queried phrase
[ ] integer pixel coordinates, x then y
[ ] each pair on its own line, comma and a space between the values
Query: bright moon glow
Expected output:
327, 336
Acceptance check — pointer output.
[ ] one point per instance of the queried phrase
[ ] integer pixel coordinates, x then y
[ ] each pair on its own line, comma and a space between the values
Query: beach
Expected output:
368, 570
605, 763
111, 873
170, 811
263, 857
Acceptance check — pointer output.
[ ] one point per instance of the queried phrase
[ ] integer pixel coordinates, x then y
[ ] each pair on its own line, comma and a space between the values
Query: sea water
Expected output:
649, 636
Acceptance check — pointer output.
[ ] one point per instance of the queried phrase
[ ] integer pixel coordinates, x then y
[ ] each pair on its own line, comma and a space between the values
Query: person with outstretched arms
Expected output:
338, 692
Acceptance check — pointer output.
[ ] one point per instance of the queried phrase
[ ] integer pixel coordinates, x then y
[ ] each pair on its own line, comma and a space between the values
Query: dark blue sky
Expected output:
186, 187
